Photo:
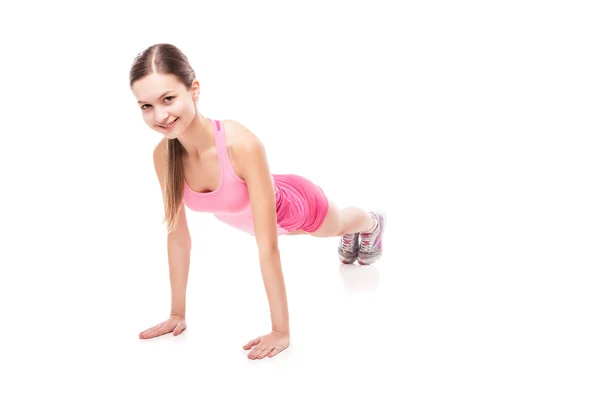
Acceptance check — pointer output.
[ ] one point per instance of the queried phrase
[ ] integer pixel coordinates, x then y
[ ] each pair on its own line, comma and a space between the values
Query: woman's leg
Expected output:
360, 232
345, 221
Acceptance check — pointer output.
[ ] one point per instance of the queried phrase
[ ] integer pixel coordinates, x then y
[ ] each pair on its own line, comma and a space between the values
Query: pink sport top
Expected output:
301, 205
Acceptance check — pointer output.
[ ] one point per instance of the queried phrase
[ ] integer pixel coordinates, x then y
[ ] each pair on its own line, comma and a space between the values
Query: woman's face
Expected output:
163, 99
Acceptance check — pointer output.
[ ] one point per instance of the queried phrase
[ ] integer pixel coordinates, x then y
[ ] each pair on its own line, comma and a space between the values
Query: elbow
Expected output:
181, 240
268, 252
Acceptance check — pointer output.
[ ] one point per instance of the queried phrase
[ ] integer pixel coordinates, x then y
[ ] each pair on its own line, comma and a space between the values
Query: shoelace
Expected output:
365, 242
348, 243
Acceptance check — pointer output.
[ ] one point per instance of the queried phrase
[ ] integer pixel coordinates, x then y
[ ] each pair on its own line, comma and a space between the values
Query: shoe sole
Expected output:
347, 260
369, 261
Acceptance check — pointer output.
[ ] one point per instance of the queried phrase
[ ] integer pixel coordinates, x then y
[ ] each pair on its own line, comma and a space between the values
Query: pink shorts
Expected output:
300, 204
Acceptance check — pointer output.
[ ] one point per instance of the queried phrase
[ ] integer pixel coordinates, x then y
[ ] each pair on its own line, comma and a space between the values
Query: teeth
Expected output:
167, 126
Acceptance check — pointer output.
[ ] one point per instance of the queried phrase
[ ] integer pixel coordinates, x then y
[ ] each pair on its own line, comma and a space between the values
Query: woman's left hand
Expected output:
269, 345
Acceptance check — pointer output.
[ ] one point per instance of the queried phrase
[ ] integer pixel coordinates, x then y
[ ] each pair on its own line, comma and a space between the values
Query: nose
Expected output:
162, 117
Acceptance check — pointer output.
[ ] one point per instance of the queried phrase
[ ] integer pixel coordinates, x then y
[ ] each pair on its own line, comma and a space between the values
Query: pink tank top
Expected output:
230, 201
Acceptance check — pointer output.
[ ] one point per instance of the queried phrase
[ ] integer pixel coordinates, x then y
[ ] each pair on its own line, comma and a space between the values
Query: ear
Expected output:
195, 89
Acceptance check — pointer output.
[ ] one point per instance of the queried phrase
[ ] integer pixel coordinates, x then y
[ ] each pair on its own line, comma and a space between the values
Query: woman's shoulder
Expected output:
244, 146
239, 138
160, 150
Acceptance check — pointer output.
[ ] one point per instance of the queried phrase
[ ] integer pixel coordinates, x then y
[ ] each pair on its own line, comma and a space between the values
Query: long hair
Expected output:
165, 58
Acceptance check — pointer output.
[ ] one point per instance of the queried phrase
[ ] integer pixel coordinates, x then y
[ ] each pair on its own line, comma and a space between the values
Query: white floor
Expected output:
435, 317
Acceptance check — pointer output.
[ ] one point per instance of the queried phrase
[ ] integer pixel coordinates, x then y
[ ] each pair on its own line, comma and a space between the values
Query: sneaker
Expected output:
370, 244
348, 248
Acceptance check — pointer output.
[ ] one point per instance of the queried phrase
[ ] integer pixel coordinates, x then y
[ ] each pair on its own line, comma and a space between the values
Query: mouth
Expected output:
169, 126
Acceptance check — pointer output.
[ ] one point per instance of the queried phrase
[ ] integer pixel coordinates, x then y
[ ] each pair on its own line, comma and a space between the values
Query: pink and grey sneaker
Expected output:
370, 243
348, 248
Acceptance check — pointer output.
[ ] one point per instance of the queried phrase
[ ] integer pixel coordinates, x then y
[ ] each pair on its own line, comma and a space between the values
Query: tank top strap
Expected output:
219, 134
224, 162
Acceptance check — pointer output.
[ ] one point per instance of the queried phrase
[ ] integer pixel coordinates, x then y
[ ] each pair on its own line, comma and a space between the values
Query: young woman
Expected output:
219, 166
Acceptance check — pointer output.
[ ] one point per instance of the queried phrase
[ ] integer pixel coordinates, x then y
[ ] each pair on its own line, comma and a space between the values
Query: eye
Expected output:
168, 97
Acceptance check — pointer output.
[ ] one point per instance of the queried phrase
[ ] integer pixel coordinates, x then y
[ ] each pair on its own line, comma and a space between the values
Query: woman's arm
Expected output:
179, 242
252, 161
179, 245
179, 248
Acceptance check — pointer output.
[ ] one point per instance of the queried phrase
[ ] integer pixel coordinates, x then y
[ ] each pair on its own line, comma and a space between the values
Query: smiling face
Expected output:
163, 99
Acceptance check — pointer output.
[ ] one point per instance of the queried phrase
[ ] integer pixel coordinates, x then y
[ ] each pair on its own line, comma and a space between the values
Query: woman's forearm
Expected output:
270, 266
179, 265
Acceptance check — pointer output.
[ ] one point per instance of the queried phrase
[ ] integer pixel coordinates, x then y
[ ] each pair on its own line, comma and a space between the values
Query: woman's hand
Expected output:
174, 324
269, 345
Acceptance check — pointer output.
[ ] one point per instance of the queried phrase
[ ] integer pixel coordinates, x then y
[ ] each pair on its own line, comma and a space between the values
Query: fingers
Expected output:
179, 328
265, 352
163, 328
251, 343
274, 352
151, 329
263, 346
260, 351
146, 334
155, 331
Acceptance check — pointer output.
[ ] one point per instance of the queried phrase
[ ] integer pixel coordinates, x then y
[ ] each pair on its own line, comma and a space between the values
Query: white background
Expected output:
473, 124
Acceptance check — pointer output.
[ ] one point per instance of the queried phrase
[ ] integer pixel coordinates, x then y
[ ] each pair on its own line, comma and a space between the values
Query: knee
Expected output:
341, 227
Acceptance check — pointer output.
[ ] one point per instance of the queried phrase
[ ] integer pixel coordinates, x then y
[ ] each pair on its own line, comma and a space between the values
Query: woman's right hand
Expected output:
174, 324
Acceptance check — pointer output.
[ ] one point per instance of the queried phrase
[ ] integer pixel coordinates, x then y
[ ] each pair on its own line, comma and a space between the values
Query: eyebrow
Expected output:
162, 95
